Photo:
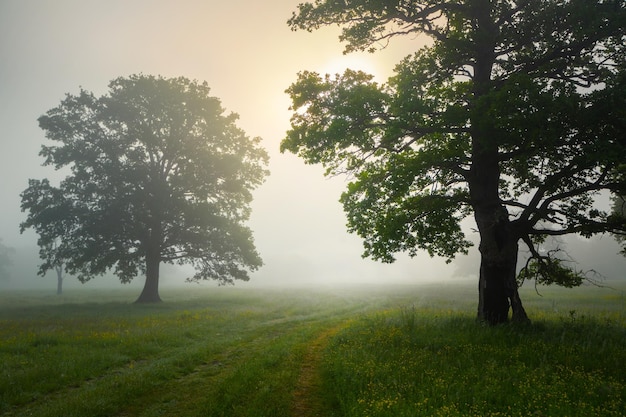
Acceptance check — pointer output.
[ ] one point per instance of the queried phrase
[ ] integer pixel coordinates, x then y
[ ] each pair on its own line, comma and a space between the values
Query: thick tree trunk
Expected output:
150, 292
497, 288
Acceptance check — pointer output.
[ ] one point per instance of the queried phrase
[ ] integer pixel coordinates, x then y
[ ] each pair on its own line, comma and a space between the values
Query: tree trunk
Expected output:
497, 288
59, 271
519, 313
150, 292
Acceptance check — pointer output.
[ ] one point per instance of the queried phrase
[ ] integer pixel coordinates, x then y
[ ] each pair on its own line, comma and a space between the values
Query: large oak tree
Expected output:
158, 172
515, 113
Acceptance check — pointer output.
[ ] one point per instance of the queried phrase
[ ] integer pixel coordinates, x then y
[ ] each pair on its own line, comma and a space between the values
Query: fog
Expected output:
248, 55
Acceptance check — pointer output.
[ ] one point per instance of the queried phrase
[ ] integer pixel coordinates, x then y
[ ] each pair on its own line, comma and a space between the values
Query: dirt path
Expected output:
307, 402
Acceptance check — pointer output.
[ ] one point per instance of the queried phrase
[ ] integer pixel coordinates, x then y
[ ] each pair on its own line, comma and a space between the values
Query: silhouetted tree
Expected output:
158, 174
515, 114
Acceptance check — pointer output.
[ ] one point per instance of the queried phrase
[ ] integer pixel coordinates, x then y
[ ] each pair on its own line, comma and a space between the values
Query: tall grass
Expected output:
211, 352
409, 351
428, 361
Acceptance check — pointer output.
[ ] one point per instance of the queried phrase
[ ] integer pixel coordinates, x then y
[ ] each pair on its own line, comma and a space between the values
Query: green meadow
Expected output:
378, 351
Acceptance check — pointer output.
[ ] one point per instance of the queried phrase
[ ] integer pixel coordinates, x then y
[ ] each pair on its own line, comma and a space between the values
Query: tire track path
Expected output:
307, 401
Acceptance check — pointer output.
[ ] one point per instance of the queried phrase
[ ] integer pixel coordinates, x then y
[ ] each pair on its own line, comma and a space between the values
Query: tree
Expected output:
514, 114
619, 212
6, 260
59, 271
158, 174
57, 265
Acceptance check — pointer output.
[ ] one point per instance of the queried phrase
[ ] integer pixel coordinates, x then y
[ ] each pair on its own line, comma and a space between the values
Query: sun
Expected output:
358, 62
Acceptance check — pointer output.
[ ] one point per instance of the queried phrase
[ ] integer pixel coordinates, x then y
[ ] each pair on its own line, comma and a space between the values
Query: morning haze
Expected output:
248, 56
317, 331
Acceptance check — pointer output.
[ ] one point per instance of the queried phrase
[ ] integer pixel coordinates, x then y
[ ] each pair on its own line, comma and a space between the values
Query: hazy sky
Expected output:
249, 56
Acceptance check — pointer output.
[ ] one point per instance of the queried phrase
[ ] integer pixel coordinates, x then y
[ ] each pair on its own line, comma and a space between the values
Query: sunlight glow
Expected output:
357, 62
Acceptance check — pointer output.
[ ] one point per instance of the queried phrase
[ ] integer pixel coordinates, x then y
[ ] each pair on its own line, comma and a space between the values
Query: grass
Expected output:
222, 352
440, 362
238, 352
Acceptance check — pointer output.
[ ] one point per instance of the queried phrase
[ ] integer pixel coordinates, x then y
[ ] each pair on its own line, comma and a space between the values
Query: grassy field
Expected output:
400, 351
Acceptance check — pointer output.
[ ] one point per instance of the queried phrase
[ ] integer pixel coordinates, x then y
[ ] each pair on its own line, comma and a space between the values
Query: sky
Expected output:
248, 55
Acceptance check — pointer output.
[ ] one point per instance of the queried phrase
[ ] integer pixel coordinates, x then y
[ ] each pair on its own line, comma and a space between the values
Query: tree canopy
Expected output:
158, 173
515, 114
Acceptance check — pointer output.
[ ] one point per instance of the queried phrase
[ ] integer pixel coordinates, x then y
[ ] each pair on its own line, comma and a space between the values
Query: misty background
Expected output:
248, 55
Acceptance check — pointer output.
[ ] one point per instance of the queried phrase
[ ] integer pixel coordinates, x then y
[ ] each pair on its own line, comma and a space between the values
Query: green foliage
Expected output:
548, 270
515, 107
154, 163
396, 202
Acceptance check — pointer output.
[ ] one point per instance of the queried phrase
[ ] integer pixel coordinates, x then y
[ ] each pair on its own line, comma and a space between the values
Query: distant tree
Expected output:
6, 260
515, 114
57, 264
158, 174
619, 212
59, 270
